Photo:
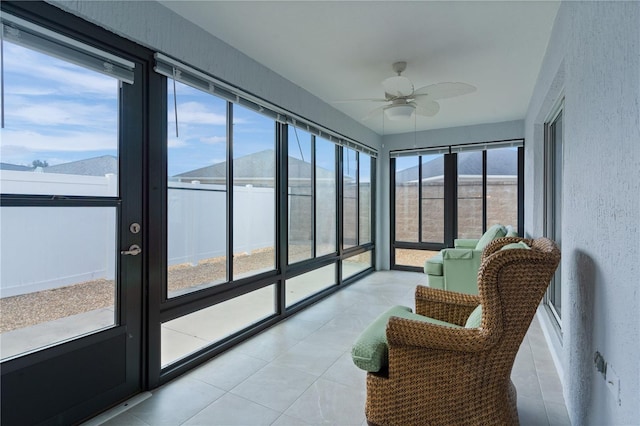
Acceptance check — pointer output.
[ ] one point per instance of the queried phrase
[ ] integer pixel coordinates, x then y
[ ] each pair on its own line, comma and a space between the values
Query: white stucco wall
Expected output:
593, 60
428, 138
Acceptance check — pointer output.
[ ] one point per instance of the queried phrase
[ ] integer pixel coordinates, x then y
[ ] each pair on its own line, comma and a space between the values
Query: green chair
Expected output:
456, 269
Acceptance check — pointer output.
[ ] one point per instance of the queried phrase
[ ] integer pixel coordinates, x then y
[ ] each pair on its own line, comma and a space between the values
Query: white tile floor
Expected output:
299, 372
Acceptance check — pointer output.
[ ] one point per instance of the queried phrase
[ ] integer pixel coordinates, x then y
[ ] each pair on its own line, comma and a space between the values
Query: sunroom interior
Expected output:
203, 203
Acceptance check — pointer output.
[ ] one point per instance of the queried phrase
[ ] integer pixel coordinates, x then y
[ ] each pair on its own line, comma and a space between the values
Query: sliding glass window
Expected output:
487, 190
189, 333
470, 195
502, 187
326, 193
254, 169
407, 218
196, 190
300, 194
432, 198
349, 198
419, 208
364, 198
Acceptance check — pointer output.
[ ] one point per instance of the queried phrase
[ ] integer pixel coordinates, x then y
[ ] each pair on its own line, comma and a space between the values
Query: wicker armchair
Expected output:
440, 375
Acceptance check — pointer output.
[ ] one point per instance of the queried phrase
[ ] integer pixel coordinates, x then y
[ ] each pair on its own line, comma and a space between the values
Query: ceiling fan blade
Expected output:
374, 112
398, 86
444, 90
346, 101
427, 108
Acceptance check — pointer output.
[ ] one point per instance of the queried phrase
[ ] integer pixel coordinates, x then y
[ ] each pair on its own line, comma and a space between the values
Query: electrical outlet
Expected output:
613, 383
601, 364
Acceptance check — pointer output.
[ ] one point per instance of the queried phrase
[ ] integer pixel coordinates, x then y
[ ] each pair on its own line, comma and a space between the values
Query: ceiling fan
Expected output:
403, 101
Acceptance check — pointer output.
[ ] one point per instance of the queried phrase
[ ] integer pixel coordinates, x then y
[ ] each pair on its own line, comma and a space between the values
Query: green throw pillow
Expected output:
496, 231
518, 245
475, 318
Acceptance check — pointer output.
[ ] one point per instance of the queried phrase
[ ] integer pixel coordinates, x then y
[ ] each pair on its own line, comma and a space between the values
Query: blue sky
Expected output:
59, 112
54, 110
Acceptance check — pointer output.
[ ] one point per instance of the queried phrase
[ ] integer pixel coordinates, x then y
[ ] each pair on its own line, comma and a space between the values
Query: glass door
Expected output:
418, 209
71, 224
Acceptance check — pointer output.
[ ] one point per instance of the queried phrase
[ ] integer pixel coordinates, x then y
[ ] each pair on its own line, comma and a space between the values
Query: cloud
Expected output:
197, 113
28, 91
23, 112
214, 140
65, 141
174, 142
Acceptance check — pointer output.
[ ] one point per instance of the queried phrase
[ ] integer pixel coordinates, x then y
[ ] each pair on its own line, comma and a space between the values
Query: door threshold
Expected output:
117, 410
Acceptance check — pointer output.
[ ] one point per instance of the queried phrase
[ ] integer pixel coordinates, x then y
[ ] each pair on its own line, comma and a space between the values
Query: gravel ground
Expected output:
35, 308
413, 257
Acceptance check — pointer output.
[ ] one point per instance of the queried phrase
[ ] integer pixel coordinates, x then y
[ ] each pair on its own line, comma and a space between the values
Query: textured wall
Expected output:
593, 59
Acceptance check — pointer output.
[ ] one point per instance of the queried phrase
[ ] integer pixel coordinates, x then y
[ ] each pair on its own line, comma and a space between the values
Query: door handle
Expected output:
134, 250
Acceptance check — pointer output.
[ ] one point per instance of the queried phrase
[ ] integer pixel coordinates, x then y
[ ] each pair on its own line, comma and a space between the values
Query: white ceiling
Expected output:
344, 49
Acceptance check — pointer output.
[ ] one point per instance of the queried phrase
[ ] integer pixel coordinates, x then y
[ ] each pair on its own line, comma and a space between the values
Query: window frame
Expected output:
550, 208
450, 224
191, 302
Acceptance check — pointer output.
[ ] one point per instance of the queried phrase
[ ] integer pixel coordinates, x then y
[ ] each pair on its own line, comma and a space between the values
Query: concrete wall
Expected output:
502, 207
428, 138
593, 60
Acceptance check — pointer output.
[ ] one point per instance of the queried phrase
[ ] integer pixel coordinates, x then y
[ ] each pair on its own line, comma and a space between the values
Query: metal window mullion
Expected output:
338, 153
229, 191
372, 210
420, 199
314, 199
450, 198
339, 164
357, 198
392, 211
521, 190
282, 235
484, 191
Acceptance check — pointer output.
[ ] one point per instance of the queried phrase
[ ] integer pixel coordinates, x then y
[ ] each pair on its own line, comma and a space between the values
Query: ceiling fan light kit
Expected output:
399, 112
405, 101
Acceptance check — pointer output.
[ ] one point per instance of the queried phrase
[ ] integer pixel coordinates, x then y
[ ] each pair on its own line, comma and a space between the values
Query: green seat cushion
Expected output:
518, 245
433, 265
370, 351
496, 231
475, 318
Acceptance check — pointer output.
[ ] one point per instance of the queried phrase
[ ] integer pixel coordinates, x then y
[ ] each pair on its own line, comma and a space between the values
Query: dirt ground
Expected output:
43, 306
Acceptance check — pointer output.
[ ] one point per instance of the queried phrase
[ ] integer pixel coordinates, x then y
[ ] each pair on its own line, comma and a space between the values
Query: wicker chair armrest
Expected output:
406, 332
444, 305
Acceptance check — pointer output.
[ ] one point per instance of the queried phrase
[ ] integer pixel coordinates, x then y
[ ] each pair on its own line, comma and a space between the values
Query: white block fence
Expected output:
48, 247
